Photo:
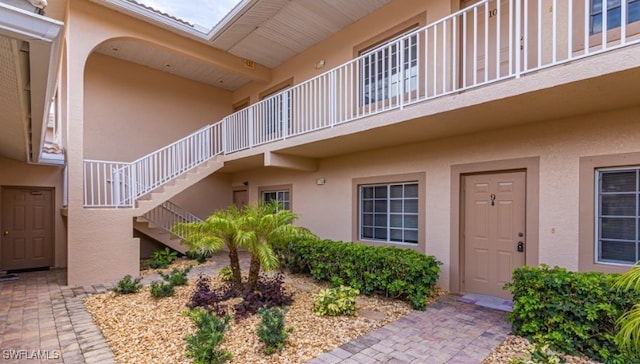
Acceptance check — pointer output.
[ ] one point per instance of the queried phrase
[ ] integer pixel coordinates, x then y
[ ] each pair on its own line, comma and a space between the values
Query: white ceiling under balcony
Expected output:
267, 32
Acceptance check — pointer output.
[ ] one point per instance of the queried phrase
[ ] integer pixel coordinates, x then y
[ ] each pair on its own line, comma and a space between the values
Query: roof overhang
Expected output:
36, 43
168, 22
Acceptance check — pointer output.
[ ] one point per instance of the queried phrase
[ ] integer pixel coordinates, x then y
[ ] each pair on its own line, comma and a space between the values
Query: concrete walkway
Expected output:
44, 321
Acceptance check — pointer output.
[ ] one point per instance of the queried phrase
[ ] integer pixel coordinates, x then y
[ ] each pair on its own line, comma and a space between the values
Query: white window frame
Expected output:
618, 8
384, 68
598, 216
279, 197
388, 225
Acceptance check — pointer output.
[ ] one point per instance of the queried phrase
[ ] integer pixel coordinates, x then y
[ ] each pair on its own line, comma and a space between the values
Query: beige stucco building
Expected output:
489, 134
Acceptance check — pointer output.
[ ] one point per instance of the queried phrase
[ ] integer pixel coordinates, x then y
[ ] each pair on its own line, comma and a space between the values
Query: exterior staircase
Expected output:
157, 224
165, 192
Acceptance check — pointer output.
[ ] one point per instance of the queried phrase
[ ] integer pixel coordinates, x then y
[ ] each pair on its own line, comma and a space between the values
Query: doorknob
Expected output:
5, 233
520, 247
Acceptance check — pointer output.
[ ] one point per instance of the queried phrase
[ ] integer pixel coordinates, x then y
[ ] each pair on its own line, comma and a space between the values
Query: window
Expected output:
618, 215
386, 66
614, 13
276, 108
280, 196
389, 212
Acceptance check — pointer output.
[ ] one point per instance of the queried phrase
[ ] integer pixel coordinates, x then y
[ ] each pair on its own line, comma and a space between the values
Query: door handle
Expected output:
5, 233
520, 247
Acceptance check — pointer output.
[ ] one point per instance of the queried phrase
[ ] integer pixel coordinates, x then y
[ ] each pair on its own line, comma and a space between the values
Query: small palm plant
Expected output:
255, 229
628, 338
264, 225
220, 229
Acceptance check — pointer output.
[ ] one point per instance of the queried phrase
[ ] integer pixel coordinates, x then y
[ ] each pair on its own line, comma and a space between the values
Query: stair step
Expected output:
177, 185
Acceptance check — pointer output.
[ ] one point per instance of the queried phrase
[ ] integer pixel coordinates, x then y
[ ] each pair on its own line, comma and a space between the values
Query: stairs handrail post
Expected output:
133, 183
115, 186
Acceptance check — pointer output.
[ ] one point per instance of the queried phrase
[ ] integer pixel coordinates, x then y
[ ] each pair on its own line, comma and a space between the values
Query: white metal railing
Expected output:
490, 41
120, 184
167, 215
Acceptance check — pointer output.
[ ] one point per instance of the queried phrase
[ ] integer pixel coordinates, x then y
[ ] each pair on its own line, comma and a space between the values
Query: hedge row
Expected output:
399, 273
573, 312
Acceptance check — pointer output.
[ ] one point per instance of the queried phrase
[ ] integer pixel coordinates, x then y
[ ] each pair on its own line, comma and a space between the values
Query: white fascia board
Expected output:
24, 25
160, 20
197, 31
44, 37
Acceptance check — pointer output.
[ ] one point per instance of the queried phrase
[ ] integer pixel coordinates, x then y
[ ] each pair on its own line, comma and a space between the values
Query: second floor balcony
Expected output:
493, 64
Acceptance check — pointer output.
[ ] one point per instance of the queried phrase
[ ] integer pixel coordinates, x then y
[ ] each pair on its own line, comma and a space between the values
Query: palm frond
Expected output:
630, 279
628, 338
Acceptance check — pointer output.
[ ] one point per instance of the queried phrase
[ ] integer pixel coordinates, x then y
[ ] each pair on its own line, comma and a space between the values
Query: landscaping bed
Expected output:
142, 329
518, 347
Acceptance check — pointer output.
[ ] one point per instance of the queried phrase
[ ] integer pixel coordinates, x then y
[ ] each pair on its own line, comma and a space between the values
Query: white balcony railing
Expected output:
490, 41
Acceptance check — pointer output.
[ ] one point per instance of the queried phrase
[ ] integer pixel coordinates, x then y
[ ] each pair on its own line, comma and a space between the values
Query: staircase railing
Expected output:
487, 42
168, 214
119, 184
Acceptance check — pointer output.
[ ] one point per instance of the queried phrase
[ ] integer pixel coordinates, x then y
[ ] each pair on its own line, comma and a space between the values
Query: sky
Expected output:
206, 13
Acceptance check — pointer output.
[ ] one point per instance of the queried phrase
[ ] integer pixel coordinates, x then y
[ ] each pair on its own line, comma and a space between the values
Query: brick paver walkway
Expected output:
44, 321
449, 331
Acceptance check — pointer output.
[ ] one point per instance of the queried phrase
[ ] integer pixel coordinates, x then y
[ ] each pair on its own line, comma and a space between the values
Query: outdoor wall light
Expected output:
320, 181
320, 64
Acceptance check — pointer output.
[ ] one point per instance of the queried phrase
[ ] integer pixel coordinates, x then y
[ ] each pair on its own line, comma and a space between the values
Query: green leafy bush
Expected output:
225, 273
198, 256
203, 345
162, 258
271, 329
128, 285
176, 277
574, 313
399, 273
335, 301
161, 289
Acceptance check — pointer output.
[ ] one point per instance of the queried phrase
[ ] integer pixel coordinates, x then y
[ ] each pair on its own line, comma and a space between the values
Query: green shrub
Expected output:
161, 289
128, 285
399, 273
162, 258
271, 329
177, 277
335, 301
203, 345
574, 313
199, 257
225, 273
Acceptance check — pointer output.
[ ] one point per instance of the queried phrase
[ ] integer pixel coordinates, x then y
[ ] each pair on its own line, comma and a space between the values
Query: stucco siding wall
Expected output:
211, 194
132, 110
327, 209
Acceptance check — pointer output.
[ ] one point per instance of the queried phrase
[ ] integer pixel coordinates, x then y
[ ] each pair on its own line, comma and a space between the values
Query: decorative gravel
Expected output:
518, 347
142, 329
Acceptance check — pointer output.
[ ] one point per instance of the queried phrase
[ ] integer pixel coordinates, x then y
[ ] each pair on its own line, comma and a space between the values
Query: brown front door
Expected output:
240, 198
493, 230
27, 228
